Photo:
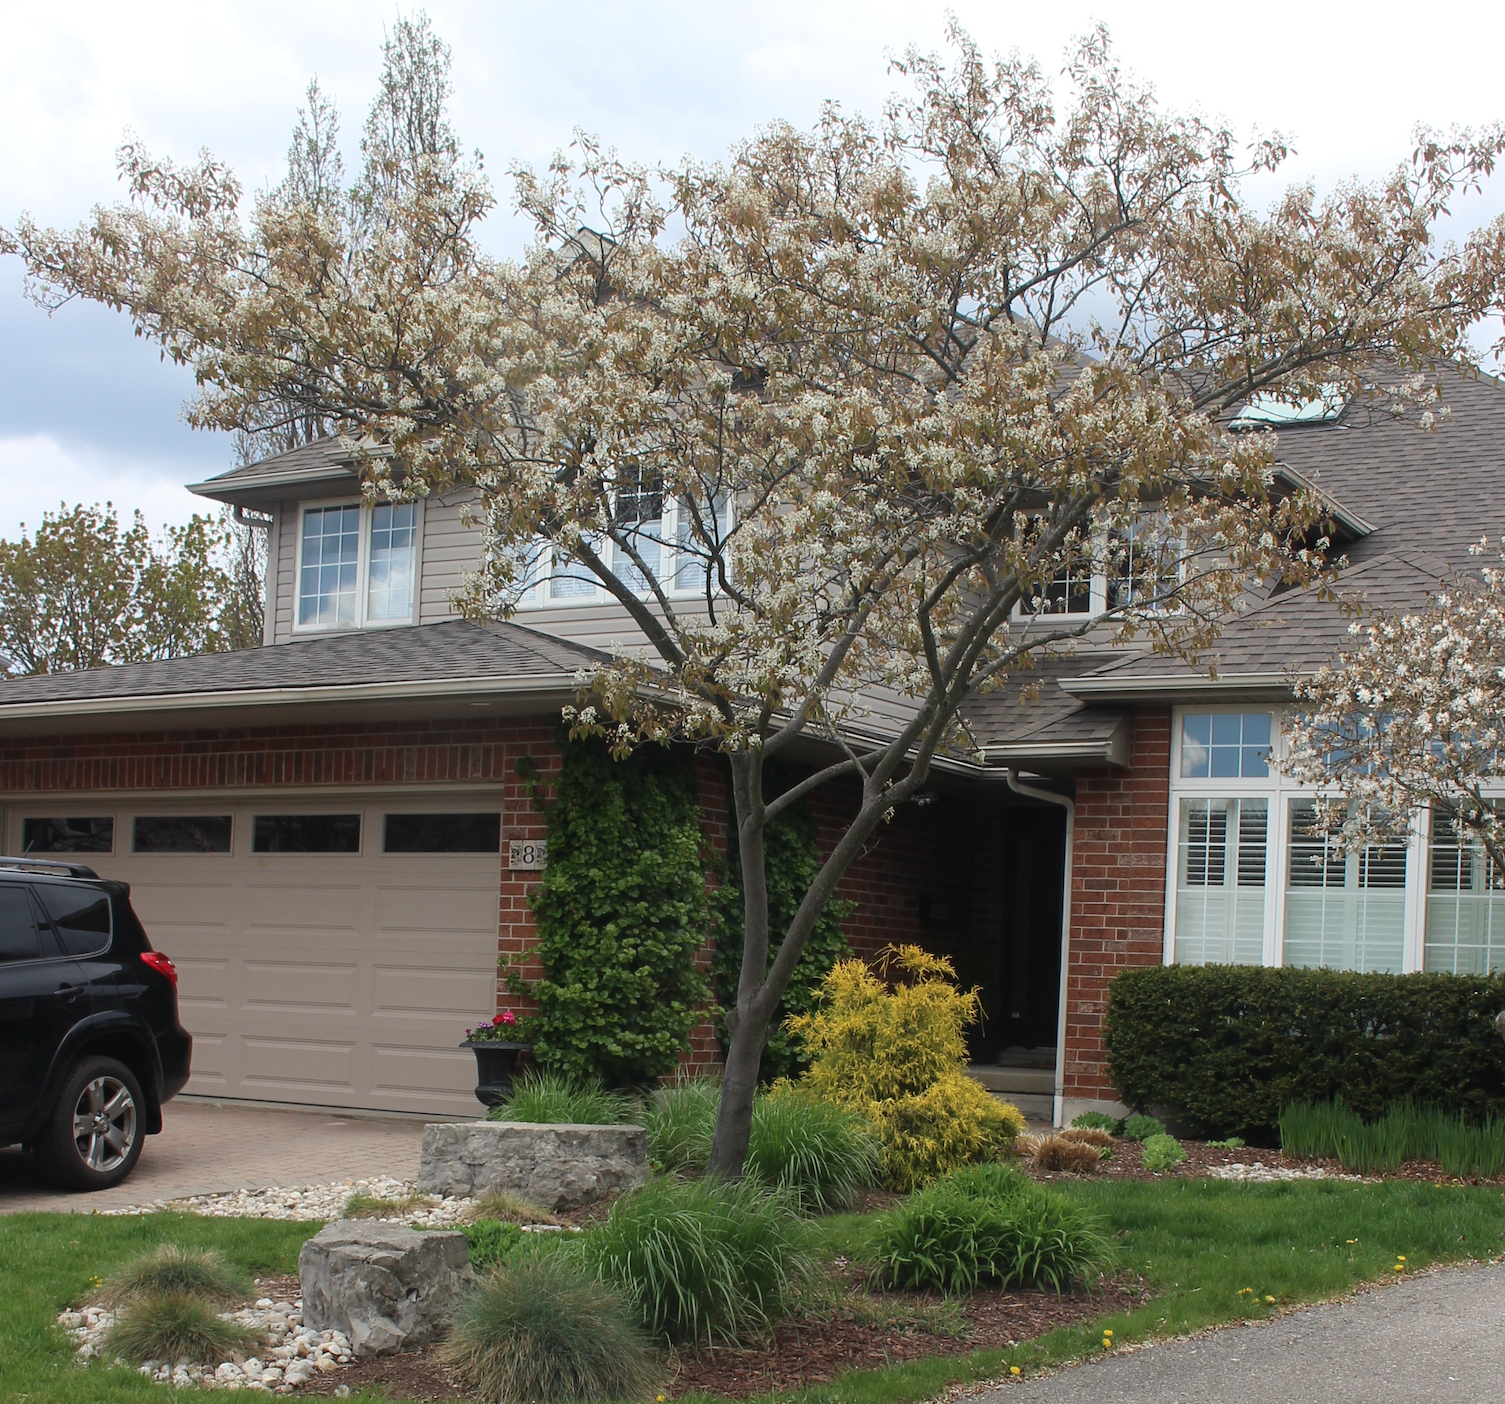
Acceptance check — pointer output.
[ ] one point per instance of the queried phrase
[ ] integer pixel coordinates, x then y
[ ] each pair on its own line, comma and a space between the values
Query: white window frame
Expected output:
1279, 790
540, 596
1098, 590
362, 567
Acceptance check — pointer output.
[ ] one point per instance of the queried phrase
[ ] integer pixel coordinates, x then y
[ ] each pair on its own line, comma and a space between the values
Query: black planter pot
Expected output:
496, 1062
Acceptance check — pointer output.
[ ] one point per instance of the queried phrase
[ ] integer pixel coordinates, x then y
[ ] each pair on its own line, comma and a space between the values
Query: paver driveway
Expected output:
1434, 1337
205, 1148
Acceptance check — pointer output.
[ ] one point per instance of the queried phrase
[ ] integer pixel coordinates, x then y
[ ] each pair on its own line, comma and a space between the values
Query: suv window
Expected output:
19, 939
81, 915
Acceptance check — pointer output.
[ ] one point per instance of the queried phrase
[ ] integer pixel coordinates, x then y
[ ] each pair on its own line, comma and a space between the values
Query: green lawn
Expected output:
1196, 1243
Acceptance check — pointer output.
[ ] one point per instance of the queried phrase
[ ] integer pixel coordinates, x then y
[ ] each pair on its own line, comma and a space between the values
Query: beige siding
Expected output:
450, 549
282, 554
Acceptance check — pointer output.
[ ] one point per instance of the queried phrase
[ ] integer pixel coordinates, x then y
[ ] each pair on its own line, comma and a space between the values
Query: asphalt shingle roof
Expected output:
442, 652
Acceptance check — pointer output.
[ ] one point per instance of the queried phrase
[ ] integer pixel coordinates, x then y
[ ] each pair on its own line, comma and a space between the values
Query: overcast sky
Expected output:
88, 413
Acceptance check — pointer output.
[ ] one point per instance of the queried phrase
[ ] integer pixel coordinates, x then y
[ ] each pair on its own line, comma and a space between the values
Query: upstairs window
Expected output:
357, 565
1225, 745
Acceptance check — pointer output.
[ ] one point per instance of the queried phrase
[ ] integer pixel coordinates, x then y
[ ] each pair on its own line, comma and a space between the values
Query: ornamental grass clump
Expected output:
818, 1153
1062, 1153
169, 1270
680, 1119
706, 1261
898, 1056
1332, 1130
965, 1230
544, 1096
543, 1330
176, 1326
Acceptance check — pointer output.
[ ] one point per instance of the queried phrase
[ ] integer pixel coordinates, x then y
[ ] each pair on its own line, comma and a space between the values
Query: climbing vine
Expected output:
791, 857
621, 914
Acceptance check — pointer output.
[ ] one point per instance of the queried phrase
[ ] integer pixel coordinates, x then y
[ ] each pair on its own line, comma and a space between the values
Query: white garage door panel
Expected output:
340, 979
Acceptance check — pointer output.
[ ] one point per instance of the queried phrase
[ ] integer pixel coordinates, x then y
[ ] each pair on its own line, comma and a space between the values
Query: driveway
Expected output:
1433, 1337
208, 1148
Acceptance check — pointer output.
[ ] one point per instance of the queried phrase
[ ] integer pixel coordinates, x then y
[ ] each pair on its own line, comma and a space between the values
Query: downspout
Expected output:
1030, 792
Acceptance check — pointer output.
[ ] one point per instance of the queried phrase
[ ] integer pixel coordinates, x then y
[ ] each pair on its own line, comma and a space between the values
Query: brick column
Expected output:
1117, 893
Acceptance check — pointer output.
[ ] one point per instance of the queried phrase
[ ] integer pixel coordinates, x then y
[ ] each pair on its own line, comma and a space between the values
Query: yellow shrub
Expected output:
899, 1055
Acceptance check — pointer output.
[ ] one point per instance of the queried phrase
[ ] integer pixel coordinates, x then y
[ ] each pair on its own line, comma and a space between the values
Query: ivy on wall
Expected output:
622, 912
791, 857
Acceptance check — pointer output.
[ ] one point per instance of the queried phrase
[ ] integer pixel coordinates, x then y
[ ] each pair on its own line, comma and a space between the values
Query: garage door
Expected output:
329, 955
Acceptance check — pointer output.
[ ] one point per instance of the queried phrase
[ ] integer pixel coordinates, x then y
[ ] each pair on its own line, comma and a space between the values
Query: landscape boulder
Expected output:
385, 1286
558, 1167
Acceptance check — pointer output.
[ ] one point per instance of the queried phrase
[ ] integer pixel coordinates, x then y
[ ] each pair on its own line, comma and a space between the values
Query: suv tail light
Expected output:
161, 965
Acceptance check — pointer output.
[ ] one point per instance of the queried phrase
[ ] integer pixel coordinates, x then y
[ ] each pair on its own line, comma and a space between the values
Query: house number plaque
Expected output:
527, 855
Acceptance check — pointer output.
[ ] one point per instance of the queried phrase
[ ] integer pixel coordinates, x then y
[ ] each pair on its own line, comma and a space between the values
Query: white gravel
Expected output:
1259, 1171
321, 1203
288, 1354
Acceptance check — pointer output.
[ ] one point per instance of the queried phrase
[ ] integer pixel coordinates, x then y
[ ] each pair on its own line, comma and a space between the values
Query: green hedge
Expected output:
1228, 1046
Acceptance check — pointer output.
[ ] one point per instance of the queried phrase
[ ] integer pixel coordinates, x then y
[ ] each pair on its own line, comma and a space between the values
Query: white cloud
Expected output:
38, 474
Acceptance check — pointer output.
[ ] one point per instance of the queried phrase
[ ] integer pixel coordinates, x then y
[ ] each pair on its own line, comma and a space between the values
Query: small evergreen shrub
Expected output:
1162, 1152
1229, 1143
548, 1096
1097, 1121
545, 1330
169, 1270
1141, 1128
680, 1121
705, 1261
622, 914
791, 859
958, 1233
174, 1326
899, 1058
491, 1241
819, 1153
1230, 1046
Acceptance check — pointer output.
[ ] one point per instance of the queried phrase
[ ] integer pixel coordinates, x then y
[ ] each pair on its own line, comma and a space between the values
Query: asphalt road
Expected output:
1438, 1337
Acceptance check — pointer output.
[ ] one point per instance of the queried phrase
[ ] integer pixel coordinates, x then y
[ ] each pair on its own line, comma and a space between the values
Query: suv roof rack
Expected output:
60, 867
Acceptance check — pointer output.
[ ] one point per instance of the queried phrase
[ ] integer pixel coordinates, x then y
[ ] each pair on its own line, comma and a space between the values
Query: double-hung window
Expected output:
357, 564
675, 540
1254, 880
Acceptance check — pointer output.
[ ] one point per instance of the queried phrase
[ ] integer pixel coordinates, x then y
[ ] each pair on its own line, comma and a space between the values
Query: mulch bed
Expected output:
805, 1351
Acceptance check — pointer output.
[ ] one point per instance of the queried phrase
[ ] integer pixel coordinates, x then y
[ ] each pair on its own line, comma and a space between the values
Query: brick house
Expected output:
330, 836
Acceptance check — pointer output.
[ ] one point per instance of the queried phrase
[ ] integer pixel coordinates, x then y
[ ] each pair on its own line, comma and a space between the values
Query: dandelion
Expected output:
1271, 1300
1013, 1369
1106, 1331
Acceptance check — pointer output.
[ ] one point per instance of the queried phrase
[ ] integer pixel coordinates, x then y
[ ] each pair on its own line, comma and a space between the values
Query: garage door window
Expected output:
68, 835
443, 833
306, 833
181, 833
81, 915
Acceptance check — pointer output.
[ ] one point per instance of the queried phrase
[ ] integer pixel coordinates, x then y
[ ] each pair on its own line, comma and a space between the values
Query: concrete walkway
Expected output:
206, 1148
1435, 1337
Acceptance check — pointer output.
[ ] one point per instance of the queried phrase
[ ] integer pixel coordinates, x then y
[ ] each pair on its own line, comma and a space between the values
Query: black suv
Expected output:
90, 1044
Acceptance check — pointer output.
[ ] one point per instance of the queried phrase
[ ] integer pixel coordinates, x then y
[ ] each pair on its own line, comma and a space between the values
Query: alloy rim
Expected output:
104, 1124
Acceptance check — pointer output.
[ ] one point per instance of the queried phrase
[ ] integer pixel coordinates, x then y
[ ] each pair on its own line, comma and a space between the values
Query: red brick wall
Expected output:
1117, 892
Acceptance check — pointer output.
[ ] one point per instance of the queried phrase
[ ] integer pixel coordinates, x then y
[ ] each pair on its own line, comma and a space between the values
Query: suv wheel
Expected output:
93, 1138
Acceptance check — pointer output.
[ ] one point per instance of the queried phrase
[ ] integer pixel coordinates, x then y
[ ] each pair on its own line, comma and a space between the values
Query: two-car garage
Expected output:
328, 954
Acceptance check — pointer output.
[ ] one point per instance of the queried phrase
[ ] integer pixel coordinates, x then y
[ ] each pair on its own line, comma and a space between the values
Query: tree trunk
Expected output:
739, 1082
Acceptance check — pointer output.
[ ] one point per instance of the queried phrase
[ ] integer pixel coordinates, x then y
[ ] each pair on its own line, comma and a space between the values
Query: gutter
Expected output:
1171, 686
413, 690
1058, 1108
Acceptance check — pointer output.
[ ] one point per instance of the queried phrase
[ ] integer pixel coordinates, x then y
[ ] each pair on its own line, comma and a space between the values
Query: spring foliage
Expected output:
621, 914
898, 1055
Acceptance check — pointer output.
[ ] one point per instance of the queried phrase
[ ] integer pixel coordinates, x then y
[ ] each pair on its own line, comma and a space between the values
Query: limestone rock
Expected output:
383, 1286
559, 1167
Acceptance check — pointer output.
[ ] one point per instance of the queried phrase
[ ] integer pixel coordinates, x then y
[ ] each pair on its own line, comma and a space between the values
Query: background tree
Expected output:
893, 385
81, 592
1412, 717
